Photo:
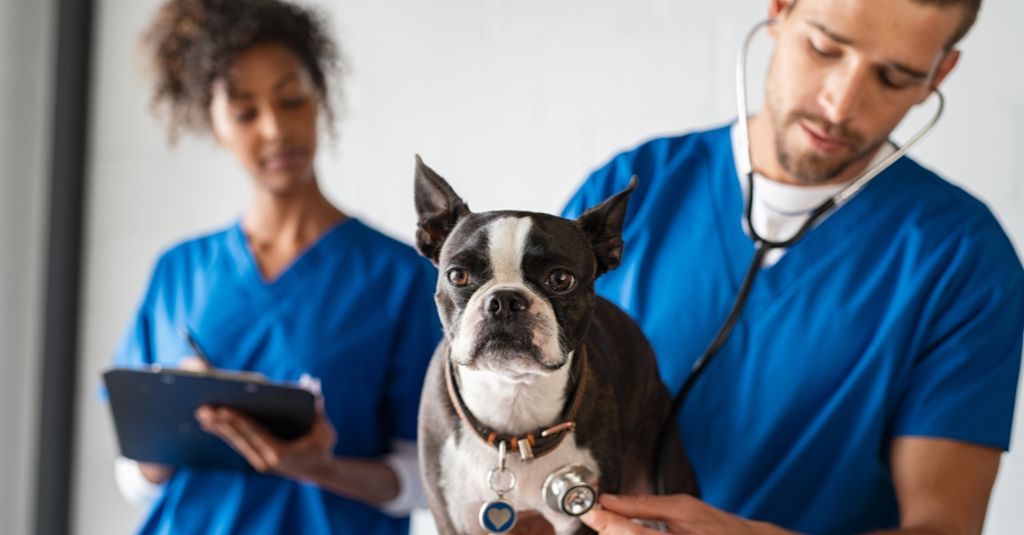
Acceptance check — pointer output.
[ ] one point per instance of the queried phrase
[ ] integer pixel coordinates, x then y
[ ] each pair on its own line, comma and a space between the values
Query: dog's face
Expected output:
515, 289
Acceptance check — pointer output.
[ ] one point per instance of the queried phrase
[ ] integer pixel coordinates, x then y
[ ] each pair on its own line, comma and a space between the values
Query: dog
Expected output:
535, 372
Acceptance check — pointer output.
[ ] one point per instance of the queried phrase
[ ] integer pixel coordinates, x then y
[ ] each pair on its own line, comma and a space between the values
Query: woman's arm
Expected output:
308, 458
140, 483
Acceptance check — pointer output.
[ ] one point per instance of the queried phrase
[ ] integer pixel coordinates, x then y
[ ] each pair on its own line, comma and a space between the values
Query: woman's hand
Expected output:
160, 473
680, 513
309, 458
155, 472
301, 458
305, 458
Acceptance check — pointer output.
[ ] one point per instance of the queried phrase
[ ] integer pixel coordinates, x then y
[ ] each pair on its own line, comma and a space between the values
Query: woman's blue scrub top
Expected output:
355, 310
900, 314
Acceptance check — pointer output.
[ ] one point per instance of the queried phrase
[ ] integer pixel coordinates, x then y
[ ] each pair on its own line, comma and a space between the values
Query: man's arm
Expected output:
942, 485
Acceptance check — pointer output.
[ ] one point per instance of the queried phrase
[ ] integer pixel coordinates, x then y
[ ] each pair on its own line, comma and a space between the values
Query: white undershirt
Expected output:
779, 209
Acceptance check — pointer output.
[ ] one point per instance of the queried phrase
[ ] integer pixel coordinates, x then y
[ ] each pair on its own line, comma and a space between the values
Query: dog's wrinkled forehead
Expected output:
446, 222
508, 244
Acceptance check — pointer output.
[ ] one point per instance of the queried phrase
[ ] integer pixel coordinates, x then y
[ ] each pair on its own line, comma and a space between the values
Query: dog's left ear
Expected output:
438, 208
602, 224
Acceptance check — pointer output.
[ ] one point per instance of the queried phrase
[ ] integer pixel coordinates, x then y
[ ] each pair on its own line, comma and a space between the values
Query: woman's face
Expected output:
265, 112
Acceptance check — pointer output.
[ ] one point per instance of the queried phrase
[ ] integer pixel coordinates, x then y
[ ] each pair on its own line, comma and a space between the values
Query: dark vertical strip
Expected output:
60, 324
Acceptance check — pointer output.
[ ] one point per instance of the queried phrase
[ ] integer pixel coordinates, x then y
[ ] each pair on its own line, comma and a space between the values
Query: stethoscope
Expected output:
762, 244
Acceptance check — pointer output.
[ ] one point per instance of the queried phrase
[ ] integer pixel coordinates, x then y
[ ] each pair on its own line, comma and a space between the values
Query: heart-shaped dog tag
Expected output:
497, 516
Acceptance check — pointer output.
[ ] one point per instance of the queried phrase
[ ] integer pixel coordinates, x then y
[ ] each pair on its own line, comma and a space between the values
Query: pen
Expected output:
210, 370
195, 347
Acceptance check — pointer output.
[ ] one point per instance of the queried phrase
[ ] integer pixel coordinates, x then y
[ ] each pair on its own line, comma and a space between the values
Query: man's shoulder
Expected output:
655, 162
668, 149
939, 215
931, 198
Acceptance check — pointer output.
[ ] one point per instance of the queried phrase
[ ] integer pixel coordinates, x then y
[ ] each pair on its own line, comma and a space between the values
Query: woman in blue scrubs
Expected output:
294, 287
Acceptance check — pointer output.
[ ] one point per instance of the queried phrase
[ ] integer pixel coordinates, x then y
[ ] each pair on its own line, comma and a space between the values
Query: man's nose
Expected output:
505, 304
843, 91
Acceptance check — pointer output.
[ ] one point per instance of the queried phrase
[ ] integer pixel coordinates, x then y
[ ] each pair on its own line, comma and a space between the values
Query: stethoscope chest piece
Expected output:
571, 490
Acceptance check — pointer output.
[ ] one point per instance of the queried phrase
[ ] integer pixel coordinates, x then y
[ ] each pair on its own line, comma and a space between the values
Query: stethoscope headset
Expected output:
762, 244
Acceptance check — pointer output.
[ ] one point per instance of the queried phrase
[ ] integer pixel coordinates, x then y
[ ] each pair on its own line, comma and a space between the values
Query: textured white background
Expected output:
513, 101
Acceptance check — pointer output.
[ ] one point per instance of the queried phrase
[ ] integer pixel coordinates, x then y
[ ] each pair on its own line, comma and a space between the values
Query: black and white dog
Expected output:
536, 373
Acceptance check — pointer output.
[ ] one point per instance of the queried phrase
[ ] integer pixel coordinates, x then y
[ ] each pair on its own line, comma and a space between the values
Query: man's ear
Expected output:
777, 10
945, 67
602, 224
438, 208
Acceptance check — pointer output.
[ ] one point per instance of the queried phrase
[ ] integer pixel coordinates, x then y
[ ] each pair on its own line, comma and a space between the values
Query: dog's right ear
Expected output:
438, 208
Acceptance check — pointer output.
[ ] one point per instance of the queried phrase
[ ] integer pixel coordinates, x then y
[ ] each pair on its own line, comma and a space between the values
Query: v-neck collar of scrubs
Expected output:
295, 272
811, 253
780, 209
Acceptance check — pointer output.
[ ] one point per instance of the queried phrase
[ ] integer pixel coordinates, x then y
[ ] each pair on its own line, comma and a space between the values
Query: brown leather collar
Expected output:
533, 444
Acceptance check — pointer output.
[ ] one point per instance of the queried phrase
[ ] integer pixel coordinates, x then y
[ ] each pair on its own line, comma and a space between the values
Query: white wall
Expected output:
25, 73
513, 102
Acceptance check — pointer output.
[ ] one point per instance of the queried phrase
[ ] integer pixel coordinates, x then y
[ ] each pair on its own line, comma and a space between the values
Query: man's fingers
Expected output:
609, 523
647, 506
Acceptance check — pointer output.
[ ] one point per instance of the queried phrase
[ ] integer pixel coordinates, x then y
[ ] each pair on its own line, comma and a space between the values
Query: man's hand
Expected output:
305, 458
680, 513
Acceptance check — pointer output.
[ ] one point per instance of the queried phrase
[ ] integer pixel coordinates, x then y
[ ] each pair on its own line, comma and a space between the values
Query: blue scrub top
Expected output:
900, 314
355, 310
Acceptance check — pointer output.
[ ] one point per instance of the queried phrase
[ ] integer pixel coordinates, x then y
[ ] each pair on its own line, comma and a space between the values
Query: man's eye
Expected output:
892, 81
821, 51
458, 277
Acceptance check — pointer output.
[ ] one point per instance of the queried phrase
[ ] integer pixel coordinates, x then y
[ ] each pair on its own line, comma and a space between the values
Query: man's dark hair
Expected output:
970, 12
192, 43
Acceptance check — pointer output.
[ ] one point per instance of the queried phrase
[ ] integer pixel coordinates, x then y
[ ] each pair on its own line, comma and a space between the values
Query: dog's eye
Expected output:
561, 280
458, 277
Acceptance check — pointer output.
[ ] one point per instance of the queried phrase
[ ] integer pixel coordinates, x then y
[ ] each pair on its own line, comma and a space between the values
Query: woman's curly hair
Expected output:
192, 43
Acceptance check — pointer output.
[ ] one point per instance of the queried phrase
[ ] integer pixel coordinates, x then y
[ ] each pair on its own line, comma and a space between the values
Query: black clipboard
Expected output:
154, 413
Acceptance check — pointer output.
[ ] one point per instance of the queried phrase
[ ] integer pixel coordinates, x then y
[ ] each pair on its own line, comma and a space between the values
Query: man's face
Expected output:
845, 72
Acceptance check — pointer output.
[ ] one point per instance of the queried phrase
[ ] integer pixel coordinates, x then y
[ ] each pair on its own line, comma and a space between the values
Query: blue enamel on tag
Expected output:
497, 516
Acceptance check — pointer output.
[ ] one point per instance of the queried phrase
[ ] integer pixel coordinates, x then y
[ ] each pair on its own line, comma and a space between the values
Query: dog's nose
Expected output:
504, 304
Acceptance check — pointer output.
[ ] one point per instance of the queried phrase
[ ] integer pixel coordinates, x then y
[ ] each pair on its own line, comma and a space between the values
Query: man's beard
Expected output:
813, 168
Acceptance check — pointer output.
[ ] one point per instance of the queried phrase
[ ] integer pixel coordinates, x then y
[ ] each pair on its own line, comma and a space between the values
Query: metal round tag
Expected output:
497, 516
501, 480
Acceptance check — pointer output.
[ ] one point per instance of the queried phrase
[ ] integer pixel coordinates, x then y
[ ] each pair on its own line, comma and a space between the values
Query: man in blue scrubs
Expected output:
870, 381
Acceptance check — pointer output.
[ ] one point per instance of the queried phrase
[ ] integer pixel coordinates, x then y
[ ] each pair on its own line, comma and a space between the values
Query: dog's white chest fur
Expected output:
466, 463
